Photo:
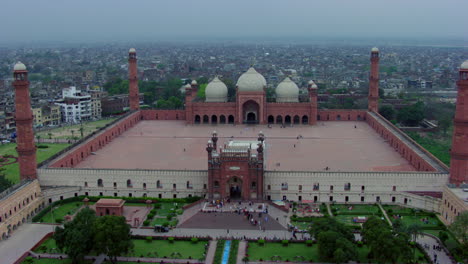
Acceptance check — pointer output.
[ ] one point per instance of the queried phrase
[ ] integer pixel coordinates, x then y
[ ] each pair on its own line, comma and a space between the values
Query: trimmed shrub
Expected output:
149, 239
194, 240
169, 217
171, 239
285, 242
165, 224
309, 243
261, 242
150, 216
146, 223
360, 243
59, 220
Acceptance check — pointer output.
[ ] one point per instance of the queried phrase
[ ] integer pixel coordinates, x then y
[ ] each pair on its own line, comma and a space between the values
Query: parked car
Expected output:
161, 229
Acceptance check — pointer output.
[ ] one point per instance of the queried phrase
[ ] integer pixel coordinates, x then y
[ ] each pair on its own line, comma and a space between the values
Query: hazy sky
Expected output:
142, 20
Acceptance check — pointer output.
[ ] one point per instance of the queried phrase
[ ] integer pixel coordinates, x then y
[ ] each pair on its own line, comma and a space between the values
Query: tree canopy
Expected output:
4, 182
86, 232
411, 115
459, 228
112, 236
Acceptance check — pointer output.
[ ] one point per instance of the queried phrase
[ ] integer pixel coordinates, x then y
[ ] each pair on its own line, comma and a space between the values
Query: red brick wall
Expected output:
341, 115
405, 151
80, 152
163, 114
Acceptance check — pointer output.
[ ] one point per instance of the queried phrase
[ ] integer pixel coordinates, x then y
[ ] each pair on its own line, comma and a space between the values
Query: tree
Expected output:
411, 115
444, 124
201, 91
82, 130
387, 111
414, 230
4, 182
330, 224
76, 237
459, 228
112, 236
329, 242
50, 135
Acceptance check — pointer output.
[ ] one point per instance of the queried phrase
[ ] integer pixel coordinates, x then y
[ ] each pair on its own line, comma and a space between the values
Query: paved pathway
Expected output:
385, 214
211, 251
442, 256
329, 209
22, 240
241, 251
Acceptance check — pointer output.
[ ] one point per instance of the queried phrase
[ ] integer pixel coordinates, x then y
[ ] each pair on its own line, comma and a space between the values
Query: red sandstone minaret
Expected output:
24, 124
134, 98
374, 81
459, 153
312, 87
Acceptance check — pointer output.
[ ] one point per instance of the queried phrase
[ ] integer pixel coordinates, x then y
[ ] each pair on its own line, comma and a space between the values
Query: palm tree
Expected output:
81, 130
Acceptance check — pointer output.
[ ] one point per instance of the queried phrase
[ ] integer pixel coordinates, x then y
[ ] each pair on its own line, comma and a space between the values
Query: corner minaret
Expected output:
459, 153
24, 124
373, 98
134, 98
312, 87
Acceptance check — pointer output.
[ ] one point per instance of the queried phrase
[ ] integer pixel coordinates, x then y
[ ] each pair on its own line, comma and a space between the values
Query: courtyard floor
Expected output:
340, 146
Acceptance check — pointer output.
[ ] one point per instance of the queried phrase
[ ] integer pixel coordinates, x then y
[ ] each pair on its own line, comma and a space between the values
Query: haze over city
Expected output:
207, 20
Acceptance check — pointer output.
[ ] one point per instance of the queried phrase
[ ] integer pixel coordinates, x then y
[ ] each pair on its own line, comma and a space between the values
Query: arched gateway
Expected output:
250, 112
236, 171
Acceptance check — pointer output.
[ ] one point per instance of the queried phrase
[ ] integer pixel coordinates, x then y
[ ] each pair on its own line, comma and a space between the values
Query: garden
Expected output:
8, 153
74, 131
165, 214
148, 247
354, 214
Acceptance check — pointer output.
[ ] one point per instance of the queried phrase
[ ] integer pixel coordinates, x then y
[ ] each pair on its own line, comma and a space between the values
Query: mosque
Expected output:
246, 149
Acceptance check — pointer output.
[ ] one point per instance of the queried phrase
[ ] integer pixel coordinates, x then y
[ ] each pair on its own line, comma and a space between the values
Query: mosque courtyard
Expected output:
173, 145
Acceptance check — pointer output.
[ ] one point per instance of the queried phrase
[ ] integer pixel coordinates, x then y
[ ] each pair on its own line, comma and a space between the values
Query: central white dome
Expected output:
216, 91
251, 81
287, 91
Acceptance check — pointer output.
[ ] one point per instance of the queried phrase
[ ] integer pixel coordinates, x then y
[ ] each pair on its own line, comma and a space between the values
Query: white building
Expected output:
74, 106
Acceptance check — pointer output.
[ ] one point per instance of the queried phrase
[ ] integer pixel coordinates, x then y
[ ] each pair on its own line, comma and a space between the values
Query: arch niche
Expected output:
234, 188
250, 112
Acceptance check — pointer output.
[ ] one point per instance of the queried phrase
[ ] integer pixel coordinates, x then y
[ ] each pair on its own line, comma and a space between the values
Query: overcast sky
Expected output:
156, 20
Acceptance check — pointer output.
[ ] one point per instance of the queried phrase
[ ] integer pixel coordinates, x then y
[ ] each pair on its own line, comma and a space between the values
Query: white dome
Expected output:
194, 82
464, 65
311, 82
216, 91
19, 66
132, 50
374, 49
251, 81
287, 91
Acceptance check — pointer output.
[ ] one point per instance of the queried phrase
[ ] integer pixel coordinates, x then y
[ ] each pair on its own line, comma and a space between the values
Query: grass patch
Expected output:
355, 209
66, 131
163, 248
61, 211
12, 170
48, 246
273, 249
431, 222
348, 219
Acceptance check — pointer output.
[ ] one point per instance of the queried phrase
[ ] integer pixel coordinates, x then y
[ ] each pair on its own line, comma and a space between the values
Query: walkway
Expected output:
385, 214
211, 251
22, 240
442, 256
329, 209
242, 250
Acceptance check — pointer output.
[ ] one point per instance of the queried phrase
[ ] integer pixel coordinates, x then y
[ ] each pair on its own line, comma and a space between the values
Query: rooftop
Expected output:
173, 145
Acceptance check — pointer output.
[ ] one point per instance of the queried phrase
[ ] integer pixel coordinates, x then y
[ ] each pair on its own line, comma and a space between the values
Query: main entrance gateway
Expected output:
250, 111
234, 188
235, 170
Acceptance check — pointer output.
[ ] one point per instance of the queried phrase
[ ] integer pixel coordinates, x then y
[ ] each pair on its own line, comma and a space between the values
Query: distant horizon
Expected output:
248, 40
104, 21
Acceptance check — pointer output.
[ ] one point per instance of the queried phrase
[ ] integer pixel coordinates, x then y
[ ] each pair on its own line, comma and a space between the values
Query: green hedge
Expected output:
218, 257
233, 252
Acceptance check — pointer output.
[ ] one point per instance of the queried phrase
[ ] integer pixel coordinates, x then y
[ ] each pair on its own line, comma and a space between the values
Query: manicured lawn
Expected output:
396, 209
12, 170
348, 219
302, 225
158, 221
66, 131
163, 248
50, 261
60, 211
355, 208
48, 246
266, 252
410, 219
